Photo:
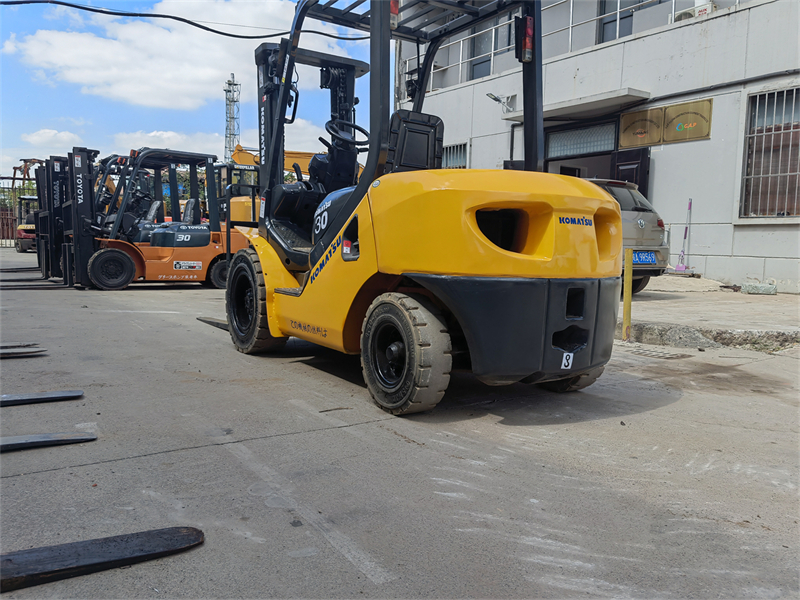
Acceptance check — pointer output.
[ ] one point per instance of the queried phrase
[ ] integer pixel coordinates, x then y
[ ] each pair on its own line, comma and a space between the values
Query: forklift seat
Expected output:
143, 228
191, 216
150, 217
415, 142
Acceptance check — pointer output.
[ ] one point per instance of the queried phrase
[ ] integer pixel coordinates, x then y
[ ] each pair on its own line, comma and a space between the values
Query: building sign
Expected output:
683, 122
642, 128
688, 121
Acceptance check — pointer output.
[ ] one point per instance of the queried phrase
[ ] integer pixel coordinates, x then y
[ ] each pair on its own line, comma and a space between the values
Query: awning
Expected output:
587, 107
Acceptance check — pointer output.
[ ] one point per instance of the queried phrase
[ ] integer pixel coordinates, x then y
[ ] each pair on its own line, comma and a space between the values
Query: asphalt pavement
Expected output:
674, 476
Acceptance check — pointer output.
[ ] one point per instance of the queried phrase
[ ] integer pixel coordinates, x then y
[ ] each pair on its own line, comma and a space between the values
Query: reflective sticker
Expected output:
77, 162
566, 361
187, 265
57, 167
263, 207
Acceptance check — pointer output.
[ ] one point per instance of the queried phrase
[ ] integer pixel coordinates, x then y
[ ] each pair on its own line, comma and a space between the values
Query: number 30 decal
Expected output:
184, 237
321, 222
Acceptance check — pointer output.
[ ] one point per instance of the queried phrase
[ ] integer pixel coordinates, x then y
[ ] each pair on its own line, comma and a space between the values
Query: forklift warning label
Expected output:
187, 265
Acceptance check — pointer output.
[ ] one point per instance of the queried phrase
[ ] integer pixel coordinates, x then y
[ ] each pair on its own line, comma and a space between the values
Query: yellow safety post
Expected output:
627, 285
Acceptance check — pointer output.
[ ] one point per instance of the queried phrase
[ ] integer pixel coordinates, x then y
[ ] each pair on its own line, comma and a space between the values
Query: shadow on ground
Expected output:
615, 395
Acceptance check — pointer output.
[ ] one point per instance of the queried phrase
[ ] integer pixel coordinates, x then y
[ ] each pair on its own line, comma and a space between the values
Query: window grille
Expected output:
455, 156
771, 180
588, 140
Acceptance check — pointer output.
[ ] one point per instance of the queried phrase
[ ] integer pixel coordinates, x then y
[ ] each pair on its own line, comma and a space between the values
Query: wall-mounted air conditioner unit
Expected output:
700, 10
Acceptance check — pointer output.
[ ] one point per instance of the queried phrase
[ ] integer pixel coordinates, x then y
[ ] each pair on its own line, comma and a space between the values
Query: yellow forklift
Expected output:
513, 275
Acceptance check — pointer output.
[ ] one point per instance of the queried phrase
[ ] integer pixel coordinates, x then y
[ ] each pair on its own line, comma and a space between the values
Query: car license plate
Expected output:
644, 258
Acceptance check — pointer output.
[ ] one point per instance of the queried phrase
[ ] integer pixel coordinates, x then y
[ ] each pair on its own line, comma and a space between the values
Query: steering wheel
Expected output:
140, 196
332, 127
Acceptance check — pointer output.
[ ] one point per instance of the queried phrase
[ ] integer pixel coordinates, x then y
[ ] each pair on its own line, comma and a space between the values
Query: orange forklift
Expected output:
117, 233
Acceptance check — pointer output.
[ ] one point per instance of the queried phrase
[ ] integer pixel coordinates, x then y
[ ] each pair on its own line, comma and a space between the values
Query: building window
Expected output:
607, 25
770, 185
454, 156
487, 41
576, 142
487, 50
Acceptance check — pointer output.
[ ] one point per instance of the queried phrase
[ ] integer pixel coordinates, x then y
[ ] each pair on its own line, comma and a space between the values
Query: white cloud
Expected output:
78, 122
59, 12
48, 138
7, 163
39, 144
301, 136
206, 143
163, 63
10, 45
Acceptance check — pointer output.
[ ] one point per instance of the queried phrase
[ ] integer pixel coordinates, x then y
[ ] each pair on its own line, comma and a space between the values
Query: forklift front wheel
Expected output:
18, 247
405, 353
111, 269
246, 305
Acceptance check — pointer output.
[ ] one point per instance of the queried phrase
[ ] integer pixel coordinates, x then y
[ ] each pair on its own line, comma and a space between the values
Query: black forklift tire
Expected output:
573, 384
640, 284
111, 269
246, 305
19, 248
218, 274
406, 355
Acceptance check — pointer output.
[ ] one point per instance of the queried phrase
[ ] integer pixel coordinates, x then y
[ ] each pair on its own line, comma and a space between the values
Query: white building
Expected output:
606, 62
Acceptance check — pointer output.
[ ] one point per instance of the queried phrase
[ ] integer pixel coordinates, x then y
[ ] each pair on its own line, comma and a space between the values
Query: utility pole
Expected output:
232, 92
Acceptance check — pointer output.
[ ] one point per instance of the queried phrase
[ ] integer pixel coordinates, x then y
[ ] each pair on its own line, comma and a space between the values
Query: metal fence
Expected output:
9, 208
8, 228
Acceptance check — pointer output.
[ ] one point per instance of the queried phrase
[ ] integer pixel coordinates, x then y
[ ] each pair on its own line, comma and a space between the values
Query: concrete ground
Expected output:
674, 476
687, 312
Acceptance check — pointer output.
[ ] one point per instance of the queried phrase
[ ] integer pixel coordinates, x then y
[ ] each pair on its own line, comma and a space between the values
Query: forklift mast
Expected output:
79, 217
51, 188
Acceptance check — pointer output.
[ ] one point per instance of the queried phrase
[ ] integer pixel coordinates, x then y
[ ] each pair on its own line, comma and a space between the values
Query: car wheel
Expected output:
574, 383
640, 284
405, 353
111, 269
246, 306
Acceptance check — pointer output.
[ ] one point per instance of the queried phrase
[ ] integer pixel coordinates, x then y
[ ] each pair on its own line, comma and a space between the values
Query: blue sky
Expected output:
72, 78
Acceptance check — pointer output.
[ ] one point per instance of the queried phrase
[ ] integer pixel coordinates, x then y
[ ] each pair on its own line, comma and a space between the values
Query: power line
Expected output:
118, 13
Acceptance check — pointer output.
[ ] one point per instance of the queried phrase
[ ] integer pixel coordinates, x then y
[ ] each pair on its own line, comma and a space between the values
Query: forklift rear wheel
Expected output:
18, 247
246, 305
218, 274
573, 384
405, 353
111, 269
